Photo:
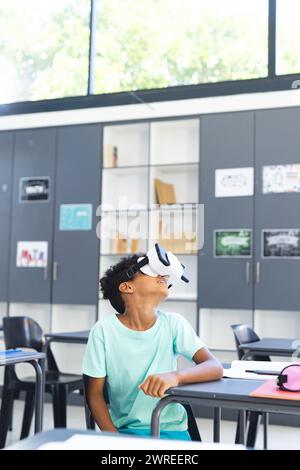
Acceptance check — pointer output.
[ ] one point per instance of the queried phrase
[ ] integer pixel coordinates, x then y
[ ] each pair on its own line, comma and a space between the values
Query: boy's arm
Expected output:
208, 368
97, 404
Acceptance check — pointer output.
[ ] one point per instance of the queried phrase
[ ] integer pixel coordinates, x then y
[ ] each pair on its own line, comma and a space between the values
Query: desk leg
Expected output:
157, 412
217, 421
265, 417
39, 393
242, 426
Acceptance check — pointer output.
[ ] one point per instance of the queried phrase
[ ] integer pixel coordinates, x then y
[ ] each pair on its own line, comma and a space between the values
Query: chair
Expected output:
24, 332
90, 423
245, 334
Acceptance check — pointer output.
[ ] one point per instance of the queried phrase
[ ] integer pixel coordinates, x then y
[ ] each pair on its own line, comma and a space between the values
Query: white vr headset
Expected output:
157, 262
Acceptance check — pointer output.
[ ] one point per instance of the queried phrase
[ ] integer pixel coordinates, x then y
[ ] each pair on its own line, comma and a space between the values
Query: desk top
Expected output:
273, 345
64, 439
17, 357
233, 393
69, 337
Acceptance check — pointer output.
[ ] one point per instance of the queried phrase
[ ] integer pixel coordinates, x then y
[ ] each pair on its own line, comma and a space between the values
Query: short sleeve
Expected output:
94, 360
186, 342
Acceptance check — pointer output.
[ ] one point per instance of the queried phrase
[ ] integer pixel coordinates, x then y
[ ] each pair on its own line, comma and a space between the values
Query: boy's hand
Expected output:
156, 385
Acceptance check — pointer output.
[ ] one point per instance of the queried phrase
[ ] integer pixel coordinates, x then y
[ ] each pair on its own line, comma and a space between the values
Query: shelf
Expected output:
131, 142
173, 141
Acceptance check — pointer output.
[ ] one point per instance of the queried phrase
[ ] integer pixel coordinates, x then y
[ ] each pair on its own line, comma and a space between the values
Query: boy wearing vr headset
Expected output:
134, 352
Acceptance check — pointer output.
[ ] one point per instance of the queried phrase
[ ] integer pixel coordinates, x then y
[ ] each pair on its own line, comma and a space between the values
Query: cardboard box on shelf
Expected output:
185, 244
165, 192
122, 245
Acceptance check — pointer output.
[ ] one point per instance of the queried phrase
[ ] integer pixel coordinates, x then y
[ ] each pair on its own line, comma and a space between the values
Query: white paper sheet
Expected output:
234, 182
238, 368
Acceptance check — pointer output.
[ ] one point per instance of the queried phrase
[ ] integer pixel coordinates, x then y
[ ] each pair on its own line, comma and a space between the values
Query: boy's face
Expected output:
148, 286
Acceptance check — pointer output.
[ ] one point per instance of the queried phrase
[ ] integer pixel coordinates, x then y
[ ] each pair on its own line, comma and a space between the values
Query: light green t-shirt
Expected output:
126, 357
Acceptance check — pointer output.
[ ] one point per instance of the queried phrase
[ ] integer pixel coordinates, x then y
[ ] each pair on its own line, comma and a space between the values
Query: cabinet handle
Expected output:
46, 272
55, 269
247, 272
257, 272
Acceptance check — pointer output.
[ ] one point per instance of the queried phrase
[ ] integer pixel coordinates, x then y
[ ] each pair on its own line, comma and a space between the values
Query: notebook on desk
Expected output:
238, 369
270, 389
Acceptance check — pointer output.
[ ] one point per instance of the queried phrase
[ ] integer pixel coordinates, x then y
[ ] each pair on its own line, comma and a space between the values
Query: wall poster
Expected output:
281, 178
34, 189
233, 182
233, 243
75, 217
281, 243
32, 254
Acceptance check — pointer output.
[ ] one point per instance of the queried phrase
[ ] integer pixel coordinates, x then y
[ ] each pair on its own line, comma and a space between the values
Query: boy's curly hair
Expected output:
109, 283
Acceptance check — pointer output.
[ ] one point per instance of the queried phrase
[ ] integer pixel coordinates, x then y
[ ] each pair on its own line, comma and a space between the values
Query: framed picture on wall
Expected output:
281, 243
233, 243
34, 189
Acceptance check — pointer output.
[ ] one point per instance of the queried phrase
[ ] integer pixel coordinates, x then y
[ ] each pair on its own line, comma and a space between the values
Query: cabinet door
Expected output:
76, 246
226, 142
32, 215
6, 160
278, 269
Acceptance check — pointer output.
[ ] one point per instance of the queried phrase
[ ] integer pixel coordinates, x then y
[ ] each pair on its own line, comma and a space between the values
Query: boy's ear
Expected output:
125, 287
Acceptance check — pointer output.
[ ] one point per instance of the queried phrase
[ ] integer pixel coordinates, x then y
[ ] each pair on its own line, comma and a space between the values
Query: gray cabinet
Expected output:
76, 252
56, 178
226, 142
269, 278
32, 218
6, 162
277, 138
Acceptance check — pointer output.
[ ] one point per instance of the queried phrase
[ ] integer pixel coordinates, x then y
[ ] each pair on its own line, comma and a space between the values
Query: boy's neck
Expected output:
139, 318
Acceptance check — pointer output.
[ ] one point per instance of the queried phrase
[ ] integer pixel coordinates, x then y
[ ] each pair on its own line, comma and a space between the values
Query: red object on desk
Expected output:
269, 389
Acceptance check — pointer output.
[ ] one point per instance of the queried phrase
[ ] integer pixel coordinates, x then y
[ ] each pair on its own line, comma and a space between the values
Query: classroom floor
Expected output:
280, 437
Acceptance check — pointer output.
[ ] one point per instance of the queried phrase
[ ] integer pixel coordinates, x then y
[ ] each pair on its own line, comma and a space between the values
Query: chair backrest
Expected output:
245, 334
24, 332
90, 422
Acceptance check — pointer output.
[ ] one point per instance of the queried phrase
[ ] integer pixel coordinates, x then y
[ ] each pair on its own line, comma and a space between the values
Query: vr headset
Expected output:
157, 262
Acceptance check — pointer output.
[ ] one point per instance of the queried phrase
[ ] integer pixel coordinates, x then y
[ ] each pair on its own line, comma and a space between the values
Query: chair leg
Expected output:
28, 414
237, 433
252, 429
59, 397
63, 407
6, 412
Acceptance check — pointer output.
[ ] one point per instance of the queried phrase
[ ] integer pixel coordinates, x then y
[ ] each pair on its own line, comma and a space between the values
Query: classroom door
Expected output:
32, 216
226, 166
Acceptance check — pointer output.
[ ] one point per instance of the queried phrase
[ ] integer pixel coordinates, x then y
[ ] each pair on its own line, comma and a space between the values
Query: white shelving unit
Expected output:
168, 150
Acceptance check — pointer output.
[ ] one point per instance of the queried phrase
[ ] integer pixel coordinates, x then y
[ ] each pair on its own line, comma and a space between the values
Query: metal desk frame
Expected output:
37, 360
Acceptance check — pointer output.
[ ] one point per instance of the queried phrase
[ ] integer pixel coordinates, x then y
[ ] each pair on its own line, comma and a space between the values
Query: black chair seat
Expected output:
53, 377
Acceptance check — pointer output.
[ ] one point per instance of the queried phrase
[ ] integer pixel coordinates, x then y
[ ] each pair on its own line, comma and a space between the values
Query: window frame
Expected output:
272, 82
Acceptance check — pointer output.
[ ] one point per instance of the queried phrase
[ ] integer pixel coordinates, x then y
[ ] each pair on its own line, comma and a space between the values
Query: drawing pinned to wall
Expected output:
232, 243
281, 243
32, 254
34, 189
281, 178
234, 182
75, 217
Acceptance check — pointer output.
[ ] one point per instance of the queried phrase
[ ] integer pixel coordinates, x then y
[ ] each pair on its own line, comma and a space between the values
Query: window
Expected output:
288, 37
43, 49
144, 44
